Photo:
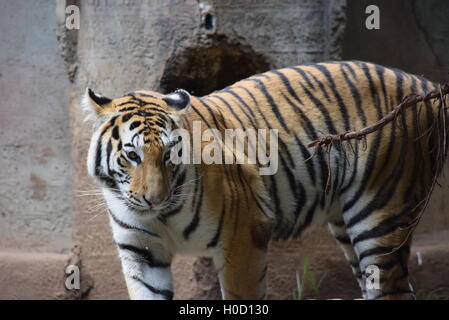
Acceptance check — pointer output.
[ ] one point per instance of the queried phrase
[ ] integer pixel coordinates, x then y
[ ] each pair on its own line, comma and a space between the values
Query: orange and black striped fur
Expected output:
229, 211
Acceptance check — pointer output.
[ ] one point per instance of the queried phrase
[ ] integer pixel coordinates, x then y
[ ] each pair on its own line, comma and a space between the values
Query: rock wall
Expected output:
35, 162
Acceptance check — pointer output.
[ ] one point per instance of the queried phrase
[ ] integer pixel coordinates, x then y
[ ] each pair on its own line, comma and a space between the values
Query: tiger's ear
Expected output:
95, 105
178, 100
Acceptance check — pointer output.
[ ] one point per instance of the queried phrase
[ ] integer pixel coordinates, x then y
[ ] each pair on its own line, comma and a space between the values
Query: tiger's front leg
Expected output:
146, 267
145, 281
242, 262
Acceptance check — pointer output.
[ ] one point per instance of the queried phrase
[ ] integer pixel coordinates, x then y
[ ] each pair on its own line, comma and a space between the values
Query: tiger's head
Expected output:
129, 153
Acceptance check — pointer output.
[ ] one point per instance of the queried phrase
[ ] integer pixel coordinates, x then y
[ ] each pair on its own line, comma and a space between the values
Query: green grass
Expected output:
307, 282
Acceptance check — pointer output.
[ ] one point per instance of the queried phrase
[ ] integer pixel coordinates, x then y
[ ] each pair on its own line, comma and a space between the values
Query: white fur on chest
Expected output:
170, 232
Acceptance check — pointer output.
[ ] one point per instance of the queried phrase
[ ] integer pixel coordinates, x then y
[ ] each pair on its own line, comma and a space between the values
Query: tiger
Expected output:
229, 212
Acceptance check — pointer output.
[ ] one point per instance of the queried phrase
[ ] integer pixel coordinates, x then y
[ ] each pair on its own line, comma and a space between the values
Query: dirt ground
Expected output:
41, 275
327, 264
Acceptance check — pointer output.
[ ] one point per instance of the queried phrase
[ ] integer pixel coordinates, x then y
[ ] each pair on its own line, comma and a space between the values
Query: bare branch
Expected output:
407, 102
327, 141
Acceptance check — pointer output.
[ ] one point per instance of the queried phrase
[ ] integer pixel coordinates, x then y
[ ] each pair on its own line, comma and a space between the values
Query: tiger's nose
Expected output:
154, 201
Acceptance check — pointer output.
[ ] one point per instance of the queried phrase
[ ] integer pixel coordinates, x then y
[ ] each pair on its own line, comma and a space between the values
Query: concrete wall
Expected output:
35, 188
35, 161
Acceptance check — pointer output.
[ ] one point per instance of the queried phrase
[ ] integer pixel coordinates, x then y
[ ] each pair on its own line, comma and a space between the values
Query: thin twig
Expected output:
407, 102
327, 141
441, 153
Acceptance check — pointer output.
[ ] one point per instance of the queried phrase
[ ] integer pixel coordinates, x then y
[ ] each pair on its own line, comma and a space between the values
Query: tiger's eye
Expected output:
132, 156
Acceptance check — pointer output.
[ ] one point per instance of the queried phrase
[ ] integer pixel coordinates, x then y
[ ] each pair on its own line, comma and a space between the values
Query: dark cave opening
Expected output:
202, 70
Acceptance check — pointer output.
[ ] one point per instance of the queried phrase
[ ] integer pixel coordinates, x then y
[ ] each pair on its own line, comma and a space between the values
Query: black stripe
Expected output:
214, 241
115, 133
355, 93
327, 119
144, 254
195, 190
384, 228
249, 93
128, 109
242, 102
288, 86
298, 192
321, 86
196, 218
376, 251
99, 147
227, 106
351, 70
108, 157
119, 162
343, 239
275, 198
341, 105
309, 164
234, 196
303, 74
180, 179
209, 110
251, 117
309, 217
373, 88
127, 116
274, 107
167, 294
130, 227
218, 108
263, 274
134, 125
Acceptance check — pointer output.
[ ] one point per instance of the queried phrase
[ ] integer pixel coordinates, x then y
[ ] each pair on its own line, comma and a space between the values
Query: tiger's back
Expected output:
306, 102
